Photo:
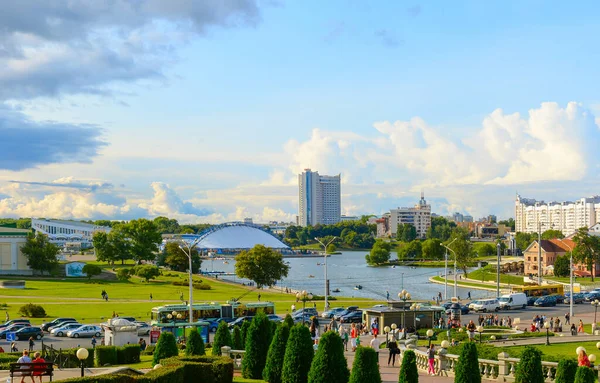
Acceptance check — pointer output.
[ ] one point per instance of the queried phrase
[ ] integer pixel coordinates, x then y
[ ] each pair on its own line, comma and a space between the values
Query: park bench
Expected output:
27, 369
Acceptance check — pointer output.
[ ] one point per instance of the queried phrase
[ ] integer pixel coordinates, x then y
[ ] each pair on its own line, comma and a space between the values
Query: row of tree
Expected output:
351, 234
137, 240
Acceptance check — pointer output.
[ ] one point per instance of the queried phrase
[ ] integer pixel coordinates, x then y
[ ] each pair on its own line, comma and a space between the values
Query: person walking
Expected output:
394, 350
259, 297
6, 316
94, 341
344, 336
150, 297
375, 345
333, 325
580, 327
567, 319
31, 344
431, 360
13, 347
469, 295
38, 370
293, 307
353, 336
25, 359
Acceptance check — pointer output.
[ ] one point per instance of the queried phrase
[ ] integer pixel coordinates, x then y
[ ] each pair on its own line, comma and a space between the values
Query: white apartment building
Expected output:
419, 216
62, 233
320, 199
565, 216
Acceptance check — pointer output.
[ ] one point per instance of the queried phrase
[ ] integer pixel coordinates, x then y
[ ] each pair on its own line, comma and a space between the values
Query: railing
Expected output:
236, 355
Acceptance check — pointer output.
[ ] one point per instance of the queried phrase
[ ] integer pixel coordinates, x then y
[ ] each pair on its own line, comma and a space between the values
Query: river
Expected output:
348, 269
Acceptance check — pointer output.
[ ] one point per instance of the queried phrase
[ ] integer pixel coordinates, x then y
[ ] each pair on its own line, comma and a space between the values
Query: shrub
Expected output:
365, 367
298, 355
149, 350
274, 365
330, 364
289, 321
194, 344
91, 270
170, 374
237, 338
585, 375
222, 338
105, 355
458, 336
147, 272
129, 353
166, 347
32, 311
221, 368
408, 368
529, 368
123, 274
258, 340
245, 327
565, 372
467, 369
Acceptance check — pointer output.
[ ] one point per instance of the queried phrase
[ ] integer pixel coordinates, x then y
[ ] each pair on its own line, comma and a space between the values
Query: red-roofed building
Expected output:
552, 248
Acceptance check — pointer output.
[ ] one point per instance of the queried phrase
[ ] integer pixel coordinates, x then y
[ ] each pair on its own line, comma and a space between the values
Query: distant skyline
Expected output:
207, 111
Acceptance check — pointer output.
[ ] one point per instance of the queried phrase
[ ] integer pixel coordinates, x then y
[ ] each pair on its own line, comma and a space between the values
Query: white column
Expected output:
14, 253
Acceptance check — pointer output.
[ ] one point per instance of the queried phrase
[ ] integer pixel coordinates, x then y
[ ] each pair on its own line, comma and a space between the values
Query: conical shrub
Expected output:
585, 375
258, 340
289, 321
566, 370
166, 347
467, 368
194, 344
408, 368
329, 364
364, 367
222, 338
529, 368
237, 338
298, 356
274, 365
245, 327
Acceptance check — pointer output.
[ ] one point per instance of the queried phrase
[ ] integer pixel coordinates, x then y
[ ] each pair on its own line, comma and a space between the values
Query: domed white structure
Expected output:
235, 235
119, 331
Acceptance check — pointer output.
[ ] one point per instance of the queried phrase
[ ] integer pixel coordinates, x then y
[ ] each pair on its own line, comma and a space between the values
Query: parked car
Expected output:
331, 312
14, 321
62, 324
577, 298
12, 328
464, 310
213, 324
559, 298
62, 331
545, 301
239, 321
303, 318
28, 332
274, 318
143, 328
589, 297
85, 331
531, 300
352, 317
345, 312
308, 310
446, 305
131, 319
485, 305
46, 326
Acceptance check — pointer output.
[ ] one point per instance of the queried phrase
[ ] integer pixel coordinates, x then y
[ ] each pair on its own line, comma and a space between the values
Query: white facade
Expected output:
63, 232
320, 199
565, 216
419, 216
12, 260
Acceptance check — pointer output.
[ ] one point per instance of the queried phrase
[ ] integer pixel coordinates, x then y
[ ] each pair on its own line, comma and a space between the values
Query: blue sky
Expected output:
206, 111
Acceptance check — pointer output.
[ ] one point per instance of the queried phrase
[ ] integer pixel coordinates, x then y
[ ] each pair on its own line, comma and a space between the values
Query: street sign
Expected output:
11, 337
154, 336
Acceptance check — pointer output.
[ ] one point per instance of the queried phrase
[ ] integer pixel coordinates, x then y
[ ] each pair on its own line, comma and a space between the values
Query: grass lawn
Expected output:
239, 379
81, 299
463, 283
486, 275
555, 351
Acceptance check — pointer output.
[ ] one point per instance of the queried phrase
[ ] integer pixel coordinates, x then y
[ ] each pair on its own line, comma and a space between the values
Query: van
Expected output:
513, 301
485, 305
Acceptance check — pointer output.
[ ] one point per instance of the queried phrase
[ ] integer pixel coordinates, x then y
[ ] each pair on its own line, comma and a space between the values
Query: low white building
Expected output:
62, 233
119, 332
12, 260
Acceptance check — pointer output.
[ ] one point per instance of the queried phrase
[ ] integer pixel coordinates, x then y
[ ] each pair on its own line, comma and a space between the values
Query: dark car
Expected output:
346, 312
545, 301
309, 310
303, 318
46, 326
274, 318
213, 324
577, 298
531, 300
12, 328
446, 305
28, 332
352, 317
14, 321
239, 321
559, 298
589, 297
464, 310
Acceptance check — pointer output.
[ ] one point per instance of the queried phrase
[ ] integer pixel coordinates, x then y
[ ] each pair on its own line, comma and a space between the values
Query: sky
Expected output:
206, 111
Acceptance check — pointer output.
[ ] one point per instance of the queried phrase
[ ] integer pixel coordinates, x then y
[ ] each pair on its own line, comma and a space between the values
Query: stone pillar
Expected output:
504, 368
443, 362
225, 351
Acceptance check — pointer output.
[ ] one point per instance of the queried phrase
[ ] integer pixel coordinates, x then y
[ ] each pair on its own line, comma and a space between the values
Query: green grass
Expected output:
487, 275
555, 351
465, 284
239, 379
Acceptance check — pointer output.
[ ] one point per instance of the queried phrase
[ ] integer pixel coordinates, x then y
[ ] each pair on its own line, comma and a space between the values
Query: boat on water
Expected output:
225, 262
394, 266
335, 291
311, 276
358, 287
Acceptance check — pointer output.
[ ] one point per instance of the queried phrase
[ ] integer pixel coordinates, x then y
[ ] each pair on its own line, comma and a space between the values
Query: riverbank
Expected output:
470, 284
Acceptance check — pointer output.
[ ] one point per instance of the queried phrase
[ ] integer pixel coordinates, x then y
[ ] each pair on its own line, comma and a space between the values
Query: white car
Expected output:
62, 331
85, 331
143, 328
485, 305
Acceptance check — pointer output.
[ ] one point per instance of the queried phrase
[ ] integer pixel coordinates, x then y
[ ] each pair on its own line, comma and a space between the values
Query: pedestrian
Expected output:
259, 297
387, 295
293, 307
333, 325
106, 297
353, 336
582, 359
38, 370
181, 297
94, 341
150, 297
471, 330
7, 317
469, 295
394, 350
375, 345
375, 326
344, 336
567, 319
431, 360
315, 305
31, 344
580, 327
13, 347
313, 331
25, 359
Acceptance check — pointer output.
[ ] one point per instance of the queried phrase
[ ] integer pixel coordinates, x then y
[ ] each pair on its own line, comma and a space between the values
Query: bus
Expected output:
170, 314
539, 291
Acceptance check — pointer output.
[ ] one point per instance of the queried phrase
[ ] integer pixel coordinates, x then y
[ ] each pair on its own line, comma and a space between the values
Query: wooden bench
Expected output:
29, 369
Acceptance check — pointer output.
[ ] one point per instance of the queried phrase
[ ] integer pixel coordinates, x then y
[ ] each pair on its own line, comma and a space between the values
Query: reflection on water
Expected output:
349, 269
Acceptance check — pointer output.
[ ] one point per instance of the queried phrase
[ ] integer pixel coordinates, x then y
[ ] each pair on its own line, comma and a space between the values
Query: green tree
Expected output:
585, 374
399, 231
329, 364
123, 274
380, 253
274, 364
261, 264
166, 347
566, 370
40, 253
364, 367
587, 249
409, 233
147, 272
561, 266
194, 344
120, 243
523, 240
238, 343
178, 260
529, 368
331, 248
91, 270
486, 250
298, 355
165, 225
551, 234
467, 368
411, 250
408, 369
508, 223
440, 229
103, 247
289, 320
432, 249
222, 338
463, 248
258, 340
245, 327
144, 239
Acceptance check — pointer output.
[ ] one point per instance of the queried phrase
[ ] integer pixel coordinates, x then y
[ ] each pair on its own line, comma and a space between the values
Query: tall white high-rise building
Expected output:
419, 216
320, 199
565, 216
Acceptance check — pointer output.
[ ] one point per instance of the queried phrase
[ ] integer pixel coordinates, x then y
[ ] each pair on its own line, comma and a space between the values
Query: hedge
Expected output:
166, 347
108, 378
585, 375
365, 367
220, 368
170, 374
129, 353
105, 355
565, 373
529, 368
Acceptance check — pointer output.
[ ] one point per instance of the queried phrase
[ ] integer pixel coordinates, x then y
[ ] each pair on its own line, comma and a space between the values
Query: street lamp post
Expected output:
325, 256
414, 308
446, 271
404, 296
595, 304
453, 252
570, 278
547, 327
82, 355
429, 336
499, 247
304, 296
480, 331
189, 247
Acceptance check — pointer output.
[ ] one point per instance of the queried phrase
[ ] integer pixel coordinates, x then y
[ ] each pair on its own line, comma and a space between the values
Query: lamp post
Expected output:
595, 303
429, 336
82, 355
304, 296
498, 248
453, 252
394, 327
414, 308
570, 278
480, 331
387, 330
325, 256
189, 247
446, 271
404, 296
592, 359
547, 327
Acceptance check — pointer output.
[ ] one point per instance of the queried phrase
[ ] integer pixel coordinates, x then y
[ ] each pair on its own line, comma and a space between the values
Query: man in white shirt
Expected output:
375, 344
25, 359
